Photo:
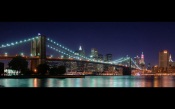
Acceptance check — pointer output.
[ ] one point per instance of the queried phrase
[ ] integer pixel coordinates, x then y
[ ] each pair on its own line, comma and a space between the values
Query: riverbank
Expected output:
45, 76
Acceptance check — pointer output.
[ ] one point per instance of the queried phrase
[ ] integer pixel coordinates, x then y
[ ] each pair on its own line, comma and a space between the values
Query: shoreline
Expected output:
46, 76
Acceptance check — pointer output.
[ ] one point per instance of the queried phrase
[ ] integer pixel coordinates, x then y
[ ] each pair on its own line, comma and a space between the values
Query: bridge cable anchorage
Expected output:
17, 42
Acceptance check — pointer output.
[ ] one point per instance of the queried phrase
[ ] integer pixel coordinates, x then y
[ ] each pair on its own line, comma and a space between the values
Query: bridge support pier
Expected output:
126, 71
38, 49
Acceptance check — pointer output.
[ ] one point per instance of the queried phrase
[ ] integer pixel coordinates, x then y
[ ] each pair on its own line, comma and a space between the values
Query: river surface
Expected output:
92, 81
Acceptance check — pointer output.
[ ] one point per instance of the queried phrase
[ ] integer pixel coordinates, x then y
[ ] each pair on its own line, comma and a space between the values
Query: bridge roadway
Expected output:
59, 59
10, 57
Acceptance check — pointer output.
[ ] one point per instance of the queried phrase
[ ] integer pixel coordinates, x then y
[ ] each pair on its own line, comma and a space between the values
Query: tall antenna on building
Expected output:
80, 48
170, 59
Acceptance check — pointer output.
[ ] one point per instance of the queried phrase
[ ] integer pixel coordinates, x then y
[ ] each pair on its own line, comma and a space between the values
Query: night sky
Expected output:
118, 38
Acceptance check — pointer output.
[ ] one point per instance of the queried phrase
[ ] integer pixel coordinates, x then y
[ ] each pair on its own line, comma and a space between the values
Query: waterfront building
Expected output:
164, 60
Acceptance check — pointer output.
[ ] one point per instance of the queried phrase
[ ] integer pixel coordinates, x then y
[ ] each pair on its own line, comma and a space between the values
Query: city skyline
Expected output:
117, 38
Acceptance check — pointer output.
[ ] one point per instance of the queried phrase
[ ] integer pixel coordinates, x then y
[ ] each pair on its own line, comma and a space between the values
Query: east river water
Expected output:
92, 81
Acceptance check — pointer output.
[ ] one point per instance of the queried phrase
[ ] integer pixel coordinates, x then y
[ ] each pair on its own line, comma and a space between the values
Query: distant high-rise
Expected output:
149, 66
170, 59
142, 62
100, 57
137, 60
108, 57
94, 53
142, 59
80, 52
164, 59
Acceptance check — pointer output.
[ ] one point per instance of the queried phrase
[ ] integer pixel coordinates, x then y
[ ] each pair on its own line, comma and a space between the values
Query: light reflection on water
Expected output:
93, 81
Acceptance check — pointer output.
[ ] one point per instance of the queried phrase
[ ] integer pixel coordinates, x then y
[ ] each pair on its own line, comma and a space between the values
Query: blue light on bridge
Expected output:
51, 56
6, 54
22, 54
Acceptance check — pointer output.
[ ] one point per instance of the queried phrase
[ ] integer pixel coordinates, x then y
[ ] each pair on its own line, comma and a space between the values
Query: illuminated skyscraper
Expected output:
137, 60
142, 59
100, 57
149, 66
80, 52
164, 59
108, 58
94, 53
170, 59
171, 66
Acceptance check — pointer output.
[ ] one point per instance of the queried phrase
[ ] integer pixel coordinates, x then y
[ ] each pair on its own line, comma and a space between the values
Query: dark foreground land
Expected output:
45, 76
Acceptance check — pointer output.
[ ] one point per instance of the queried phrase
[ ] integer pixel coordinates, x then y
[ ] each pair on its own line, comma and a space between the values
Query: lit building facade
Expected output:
108, 58
79, 52
100, 57
142, 59
142, 62
164, 60
137, 60
149, 66
171, 67
94, 54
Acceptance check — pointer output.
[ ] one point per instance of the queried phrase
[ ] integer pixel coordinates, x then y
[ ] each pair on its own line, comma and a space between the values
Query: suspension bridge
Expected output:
72, 60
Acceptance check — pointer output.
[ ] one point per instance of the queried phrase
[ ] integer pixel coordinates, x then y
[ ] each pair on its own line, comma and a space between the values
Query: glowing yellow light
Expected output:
35, 70
165, 51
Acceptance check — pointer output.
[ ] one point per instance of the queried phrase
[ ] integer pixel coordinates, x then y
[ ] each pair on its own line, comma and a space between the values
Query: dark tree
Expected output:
19, 64
1, 68
54, 71
42, 68
61, 70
